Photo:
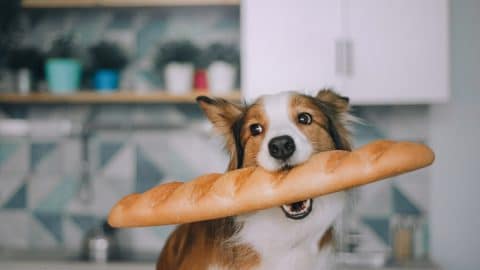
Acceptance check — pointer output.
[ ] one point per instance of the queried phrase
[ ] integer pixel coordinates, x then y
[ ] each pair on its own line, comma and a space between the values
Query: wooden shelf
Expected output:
122, 3
90, 97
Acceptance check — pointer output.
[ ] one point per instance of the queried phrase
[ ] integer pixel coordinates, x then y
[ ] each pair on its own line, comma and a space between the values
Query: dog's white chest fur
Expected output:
284, 243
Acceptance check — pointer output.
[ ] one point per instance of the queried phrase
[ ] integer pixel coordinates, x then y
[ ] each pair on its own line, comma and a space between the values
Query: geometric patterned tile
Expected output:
107, 151
84, 222
9, 186
18, 200
403, 205
15, 161
52, 222
6, 150
148, 174
379, 225
38, 152
121, 165
41, 236
58, 198
40, 187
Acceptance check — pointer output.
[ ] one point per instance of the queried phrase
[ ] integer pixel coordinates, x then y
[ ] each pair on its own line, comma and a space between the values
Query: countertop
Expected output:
62, 265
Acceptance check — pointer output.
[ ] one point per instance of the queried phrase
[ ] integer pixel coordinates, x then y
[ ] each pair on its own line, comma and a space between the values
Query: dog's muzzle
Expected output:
298, 210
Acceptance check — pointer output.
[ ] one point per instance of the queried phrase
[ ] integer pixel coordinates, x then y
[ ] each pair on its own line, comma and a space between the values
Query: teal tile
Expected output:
18, 199
379, 225
107, 151
52, 222
38, 152
85, 222
60, 196
147, 174
403, 205
6, 151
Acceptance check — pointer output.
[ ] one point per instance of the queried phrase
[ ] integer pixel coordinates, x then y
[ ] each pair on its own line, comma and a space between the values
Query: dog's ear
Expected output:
336, 108
226, 119
338, 103
221, 113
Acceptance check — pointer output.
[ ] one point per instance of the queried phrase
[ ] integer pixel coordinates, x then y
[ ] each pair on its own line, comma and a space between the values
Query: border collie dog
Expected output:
276, 132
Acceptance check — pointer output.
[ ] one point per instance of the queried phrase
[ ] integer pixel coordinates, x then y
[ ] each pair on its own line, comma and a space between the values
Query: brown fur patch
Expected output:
197, 246
317, 132
326, 240
254, 115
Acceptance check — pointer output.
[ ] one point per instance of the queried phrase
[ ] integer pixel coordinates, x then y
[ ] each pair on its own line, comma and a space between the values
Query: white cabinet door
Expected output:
399, 51
288, 45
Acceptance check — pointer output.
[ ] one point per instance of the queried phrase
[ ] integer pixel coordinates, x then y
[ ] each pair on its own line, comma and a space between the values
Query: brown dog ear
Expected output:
225, 117
339, 103
221, 113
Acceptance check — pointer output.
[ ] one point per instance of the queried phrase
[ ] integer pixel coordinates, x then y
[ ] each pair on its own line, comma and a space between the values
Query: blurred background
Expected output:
97, 100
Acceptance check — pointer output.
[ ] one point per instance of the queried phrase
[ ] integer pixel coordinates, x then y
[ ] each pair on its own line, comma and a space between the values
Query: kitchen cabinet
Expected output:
288, 45
374, 51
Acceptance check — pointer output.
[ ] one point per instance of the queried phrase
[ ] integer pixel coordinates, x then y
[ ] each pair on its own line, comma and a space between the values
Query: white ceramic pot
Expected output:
221, 77
178, 78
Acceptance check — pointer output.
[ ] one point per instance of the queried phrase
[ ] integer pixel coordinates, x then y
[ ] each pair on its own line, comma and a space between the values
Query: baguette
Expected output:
236, 192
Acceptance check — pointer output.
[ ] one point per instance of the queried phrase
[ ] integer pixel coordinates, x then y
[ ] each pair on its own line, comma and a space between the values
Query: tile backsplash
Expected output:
48, 201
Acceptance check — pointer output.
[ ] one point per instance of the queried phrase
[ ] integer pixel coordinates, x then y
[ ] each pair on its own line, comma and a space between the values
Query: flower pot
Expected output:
221, 77
63, 75
106, 80
178, 78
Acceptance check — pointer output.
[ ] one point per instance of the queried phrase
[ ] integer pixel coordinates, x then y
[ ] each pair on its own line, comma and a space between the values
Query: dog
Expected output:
276, 132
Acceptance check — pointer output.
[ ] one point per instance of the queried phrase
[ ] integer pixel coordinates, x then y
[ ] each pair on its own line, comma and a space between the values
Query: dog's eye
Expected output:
305, 118
256, 129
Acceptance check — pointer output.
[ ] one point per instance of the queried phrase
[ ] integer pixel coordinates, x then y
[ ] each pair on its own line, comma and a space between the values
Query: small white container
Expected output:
221, 77
178, 78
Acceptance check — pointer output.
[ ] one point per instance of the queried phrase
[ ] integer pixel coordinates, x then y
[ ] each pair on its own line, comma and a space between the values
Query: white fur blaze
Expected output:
277, 109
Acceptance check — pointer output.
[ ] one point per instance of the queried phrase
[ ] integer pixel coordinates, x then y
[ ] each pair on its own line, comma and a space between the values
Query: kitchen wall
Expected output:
454, 132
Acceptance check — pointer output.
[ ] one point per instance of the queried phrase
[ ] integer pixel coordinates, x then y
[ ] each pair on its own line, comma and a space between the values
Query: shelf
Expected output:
90, 97
122, 3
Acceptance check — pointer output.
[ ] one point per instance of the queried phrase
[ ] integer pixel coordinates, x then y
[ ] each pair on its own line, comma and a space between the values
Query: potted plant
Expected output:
108, 59
176, 60
63, 69
27, 67
222, 68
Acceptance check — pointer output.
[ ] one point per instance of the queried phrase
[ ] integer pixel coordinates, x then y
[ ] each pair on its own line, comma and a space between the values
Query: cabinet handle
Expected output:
344, 57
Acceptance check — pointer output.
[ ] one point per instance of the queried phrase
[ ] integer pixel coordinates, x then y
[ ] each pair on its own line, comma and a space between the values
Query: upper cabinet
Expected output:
288, 45
374, 51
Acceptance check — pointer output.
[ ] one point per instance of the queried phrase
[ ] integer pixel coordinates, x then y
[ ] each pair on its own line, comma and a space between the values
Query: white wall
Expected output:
455, 137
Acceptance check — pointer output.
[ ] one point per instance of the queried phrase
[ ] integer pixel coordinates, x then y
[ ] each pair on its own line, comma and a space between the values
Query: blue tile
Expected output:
380, 226
18, 200
52, 222
147, 174
107, 151
84, 222
6, 151
402, 205
38, 152
60, 196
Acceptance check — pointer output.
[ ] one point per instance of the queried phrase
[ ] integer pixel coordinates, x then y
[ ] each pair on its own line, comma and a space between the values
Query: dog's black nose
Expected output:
281, 147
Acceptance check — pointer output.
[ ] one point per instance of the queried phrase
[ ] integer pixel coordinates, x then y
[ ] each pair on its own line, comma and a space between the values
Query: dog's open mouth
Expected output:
298, 210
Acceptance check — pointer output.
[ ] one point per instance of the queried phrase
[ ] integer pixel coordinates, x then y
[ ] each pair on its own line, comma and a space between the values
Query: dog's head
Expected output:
280, 131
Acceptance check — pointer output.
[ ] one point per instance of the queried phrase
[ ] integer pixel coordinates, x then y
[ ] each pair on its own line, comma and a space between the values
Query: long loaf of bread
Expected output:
220, 195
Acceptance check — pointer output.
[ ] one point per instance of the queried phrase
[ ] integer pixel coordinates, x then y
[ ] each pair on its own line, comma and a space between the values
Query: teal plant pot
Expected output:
63, 75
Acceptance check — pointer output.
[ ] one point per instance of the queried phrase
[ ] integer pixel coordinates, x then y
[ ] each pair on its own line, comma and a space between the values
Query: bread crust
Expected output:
236, 192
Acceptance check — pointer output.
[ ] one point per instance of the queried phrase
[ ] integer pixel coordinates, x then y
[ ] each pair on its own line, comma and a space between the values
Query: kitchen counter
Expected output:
62, 265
